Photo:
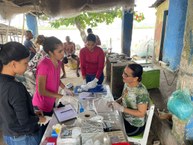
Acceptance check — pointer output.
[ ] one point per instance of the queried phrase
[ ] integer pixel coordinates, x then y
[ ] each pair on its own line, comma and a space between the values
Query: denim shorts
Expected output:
23, 140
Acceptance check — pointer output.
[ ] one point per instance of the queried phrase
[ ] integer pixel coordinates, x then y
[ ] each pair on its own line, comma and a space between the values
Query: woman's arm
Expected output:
101, 62
68, 91
140, 112
42, 88
119, 100
62, 85
82, 63
20, 104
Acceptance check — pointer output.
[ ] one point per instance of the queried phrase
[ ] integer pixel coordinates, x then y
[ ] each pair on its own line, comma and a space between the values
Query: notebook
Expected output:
65, 113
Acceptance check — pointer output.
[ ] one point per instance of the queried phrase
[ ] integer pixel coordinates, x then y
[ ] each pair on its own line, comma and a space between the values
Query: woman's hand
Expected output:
115, 106
68, 92
84, 82
42, 119
39, 113
119, 100
92, 84
58, 96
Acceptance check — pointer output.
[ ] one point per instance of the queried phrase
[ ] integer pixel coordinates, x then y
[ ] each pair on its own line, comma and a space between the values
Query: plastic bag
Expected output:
180, 104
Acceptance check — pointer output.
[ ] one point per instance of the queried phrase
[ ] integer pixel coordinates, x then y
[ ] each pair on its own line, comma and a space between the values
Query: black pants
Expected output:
132, 130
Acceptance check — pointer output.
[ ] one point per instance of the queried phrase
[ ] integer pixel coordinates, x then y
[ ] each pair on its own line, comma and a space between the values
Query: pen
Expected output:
65, 111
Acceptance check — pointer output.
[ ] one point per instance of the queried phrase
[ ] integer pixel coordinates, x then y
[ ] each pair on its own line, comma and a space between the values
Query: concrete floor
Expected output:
159, 96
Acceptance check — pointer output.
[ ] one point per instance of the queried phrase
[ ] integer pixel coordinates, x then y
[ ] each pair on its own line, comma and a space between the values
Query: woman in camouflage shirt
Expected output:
134, 100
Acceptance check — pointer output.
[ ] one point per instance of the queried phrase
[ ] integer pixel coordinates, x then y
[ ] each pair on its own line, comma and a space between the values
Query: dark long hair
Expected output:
50, 44
12, 51
40, 39
137, 70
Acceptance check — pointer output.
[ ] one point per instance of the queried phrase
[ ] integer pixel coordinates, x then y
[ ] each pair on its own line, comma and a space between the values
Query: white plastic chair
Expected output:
143, 140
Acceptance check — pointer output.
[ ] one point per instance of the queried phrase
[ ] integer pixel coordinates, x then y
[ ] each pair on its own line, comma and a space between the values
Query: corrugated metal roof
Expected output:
64, 8
157, 3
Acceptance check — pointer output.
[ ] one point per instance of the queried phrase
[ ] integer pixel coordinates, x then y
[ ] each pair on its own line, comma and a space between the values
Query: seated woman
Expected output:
69, 51
134, 100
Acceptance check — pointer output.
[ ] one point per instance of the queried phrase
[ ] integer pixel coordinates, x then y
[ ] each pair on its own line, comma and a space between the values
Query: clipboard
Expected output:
65, 113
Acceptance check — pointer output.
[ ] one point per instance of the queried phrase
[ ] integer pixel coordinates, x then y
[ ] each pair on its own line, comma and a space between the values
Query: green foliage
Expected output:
89, 19
61, 21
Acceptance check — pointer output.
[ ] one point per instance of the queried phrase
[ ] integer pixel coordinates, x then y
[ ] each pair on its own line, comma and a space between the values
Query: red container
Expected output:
121, 143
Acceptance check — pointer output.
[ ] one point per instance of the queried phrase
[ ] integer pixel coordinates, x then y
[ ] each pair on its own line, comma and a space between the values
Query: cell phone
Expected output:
69, 85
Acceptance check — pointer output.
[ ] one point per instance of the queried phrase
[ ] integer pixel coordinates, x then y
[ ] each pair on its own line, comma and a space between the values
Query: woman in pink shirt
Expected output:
92, 59
48, 77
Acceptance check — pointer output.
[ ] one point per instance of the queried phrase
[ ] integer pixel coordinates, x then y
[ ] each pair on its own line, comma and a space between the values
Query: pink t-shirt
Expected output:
46, 68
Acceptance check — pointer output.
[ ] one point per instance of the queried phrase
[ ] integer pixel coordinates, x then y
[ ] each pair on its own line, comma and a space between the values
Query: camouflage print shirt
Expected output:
131, 97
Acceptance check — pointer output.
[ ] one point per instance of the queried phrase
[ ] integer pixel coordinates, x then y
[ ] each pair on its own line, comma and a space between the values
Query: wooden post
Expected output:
23, 26
7, 32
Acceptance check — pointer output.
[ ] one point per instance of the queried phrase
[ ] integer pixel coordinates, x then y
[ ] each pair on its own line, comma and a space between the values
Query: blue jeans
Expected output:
23, 140
92, 77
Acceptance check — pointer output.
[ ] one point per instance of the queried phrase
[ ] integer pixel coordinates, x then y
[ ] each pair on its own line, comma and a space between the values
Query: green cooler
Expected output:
151, 77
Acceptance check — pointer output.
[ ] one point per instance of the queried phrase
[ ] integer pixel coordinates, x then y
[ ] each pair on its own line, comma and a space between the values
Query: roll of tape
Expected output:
87, 115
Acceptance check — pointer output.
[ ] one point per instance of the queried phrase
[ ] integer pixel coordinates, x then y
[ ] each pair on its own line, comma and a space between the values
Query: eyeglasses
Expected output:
126, 75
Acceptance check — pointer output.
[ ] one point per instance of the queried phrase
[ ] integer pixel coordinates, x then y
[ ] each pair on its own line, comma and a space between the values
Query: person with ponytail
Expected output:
48, 77
134, 100
19, 122
92, 61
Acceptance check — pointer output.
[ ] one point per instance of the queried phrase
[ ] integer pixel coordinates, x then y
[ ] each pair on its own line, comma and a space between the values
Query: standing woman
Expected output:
134, 100
19, 122
48, 77
92, 59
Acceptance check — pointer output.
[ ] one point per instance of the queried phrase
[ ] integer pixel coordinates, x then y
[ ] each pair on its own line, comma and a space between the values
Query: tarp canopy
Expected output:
64, 8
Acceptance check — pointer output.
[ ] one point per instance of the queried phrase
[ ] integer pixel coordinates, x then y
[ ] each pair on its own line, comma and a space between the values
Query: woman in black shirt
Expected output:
19, 122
